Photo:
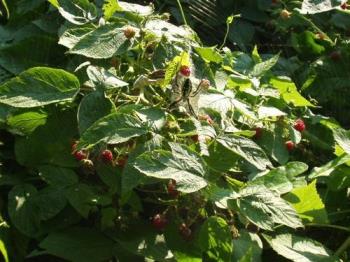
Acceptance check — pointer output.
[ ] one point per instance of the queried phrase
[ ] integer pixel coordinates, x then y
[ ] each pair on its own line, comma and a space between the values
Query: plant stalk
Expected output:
182, 12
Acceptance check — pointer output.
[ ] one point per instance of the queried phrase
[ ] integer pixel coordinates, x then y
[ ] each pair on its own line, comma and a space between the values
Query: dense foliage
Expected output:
124, 138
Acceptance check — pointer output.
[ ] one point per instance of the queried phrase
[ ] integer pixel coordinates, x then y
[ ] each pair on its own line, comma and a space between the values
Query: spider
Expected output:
186, 92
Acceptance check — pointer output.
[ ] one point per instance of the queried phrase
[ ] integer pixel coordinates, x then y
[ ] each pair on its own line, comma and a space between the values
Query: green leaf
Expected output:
39, 86
328, 168
299, 249
31, 52
265, 208
209, 54
274, 145
142, 10
50, 143
339, 179
181, 165
102, 43
22, 209
82, 198
113, 129
24, 123
314, 6
101, 77
215, 239
246, 149
110, 7
50, 201
93, 107
289, 92
110, 175
261, 68
71, 36
79, 244
3, 251
59, 177
269, 111
308, 204
247, 245
77, 12
342, 137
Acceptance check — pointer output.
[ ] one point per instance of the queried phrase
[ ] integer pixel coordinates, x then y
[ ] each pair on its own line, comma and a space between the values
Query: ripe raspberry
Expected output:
129, 32
335, 55
274, 2
172, 189
285, 14
299, 125
289, 145
258, 132
159, 222
80, 155
185, 231
185, 70
344, 6
107, 155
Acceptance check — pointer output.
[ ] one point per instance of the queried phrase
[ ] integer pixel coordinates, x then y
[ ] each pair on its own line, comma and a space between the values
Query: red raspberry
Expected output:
129, 32
80, 155
74, 146
258, 132
274, 2
159, 222
185, 70
185, 231
335, 55
289, 145
344, 6
172, 189
299, 125
107, 155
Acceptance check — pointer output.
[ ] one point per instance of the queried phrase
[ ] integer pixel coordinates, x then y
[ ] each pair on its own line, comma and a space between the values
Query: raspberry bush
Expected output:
125, 138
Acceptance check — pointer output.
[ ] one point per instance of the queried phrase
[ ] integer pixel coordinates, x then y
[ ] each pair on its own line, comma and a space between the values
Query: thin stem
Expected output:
347, 229
343, 247
182, 12
226, 35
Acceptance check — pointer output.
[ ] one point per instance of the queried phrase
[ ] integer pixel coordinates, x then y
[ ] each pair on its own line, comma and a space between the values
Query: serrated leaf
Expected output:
101, 77
314, 6
113, 129
247, 247
58, 176
77, 12
82, 198
247, 149
289, 92
339, 179
79, 244
299, 249
261, 68
308, 204
110, 7
215, 239
209, 54
328, 168
39, 86
181, 165
269, 111
342, 137
265, 208
102, 43
70, 37
93, 107
22, 210
143, 10
25, 123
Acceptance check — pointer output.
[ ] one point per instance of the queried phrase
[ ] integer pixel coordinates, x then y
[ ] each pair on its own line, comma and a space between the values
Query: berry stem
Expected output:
182, 12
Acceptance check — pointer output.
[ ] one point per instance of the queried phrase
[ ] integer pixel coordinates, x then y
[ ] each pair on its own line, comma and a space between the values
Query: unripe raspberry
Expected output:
129, 32
185, 231
172, 189
258, 132
285, 14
